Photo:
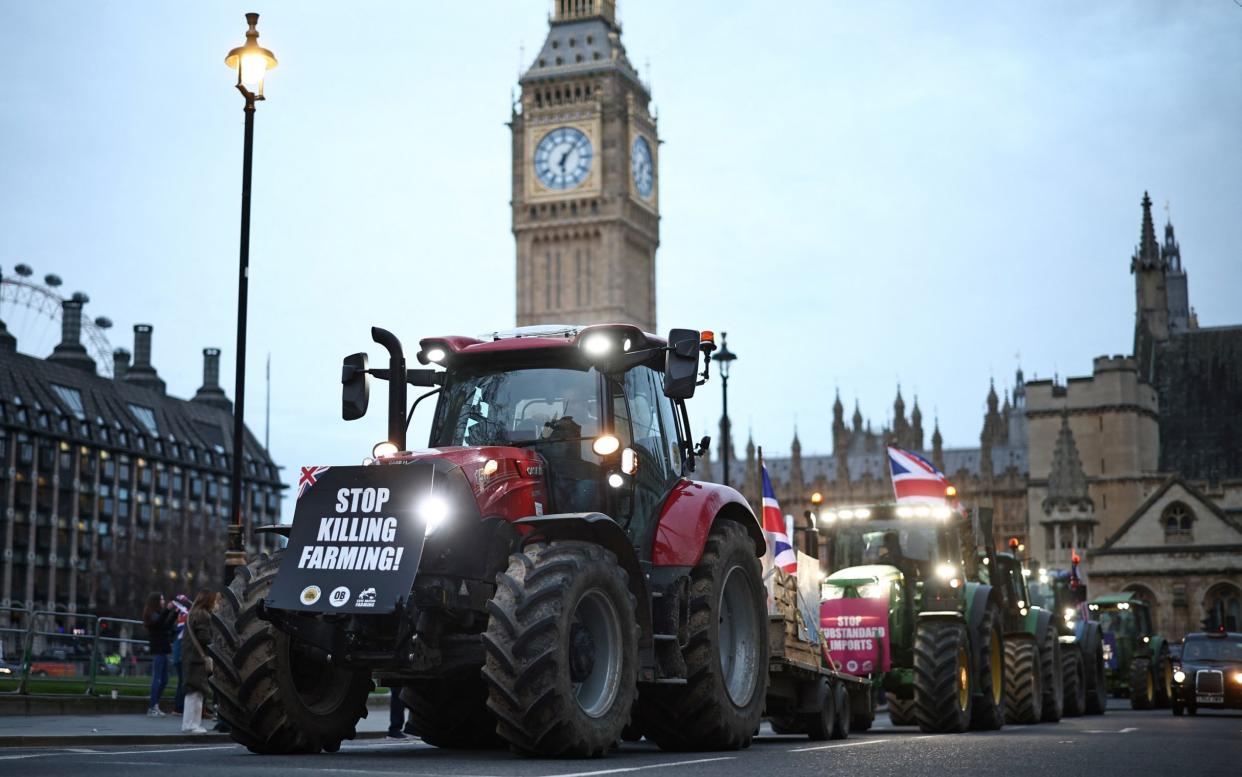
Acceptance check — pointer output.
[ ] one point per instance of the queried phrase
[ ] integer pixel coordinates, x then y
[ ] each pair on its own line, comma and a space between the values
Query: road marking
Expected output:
1127, 730
168, 750
829, 747
665, 765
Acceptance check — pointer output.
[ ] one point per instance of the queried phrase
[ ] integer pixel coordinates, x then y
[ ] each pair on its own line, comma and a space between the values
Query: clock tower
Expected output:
586, 216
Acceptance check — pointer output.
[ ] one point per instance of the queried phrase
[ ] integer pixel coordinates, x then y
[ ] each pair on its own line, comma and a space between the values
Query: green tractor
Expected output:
1034, 685
1082, 642
905, 606
1136, 659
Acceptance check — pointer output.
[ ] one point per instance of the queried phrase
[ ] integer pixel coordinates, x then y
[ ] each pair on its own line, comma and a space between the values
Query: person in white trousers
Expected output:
197, 662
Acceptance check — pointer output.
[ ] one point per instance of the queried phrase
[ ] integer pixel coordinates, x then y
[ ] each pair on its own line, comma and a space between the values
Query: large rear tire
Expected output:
561, 646
275, 698
1074, 680
1054, 688
1023, 680
451, 712
900, 711
726, 656
942, 677
988, 713
1142, 684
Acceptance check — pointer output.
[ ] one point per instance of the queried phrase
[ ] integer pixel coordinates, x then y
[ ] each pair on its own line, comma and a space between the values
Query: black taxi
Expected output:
1209, 674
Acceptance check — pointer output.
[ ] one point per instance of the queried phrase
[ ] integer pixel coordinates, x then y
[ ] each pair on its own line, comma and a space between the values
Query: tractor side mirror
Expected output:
355, 387
681, 364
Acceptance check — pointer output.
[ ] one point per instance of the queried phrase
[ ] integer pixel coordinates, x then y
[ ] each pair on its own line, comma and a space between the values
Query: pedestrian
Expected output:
396, 714
198, 663
182, 603
160, 618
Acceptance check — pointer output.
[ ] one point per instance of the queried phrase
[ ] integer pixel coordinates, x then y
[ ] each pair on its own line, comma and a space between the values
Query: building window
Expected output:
146, 416
1178, 523
71, 397
1223, 607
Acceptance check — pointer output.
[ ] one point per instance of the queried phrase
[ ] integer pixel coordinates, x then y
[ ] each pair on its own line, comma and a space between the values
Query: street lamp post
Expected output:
251, 62
725, 357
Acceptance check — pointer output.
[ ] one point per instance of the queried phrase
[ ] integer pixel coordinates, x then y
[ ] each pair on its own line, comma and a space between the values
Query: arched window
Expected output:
1178, 522
1223, 606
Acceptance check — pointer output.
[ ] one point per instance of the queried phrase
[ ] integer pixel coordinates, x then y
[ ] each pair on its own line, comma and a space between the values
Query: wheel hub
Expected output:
739, 656
594, 653
581, 653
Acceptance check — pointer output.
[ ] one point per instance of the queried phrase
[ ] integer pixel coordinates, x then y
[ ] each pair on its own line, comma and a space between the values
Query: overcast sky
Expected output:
859, 193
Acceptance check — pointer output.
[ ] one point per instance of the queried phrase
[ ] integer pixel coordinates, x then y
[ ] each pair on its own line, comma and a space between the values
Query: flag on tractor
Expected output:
774, 528
916, 480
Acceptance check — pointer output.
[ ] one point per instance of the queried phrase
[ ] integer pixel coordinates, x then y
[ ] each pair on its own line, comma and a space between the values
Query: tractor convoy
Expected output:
548, 575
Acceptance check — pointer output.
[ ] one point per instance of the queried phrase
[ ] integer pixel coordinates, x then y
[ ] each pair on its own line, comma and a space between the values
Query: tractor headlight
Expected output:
605, 445
433, 510
598, 344
1179, 676
948, 573
1237, 678
1070, 613
828, 592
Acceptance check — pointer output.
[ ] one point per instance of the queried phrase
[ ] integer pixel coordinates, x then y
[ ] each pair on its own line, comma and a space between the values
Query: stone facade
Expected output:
1182, 552
1079, 464
586, 242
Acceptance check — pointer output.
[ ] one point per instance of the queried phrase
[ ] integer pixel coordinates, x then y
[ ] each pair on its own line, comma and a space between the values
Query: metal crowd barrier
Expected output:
45, 652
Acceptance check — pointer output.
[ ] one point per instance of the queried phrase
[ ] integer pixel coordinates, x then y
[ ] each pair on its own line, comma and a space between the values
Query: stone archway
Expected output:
1222, 605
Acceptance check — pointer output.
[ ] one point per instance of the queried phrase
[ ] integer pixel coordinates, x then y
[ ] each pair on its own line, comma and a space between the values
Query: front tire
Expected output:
900, 711
1054, 689
451, 712
726, 657
1074, 680
942, 677
561, 646
989, 705
1023, 680
275, 699
1142, 685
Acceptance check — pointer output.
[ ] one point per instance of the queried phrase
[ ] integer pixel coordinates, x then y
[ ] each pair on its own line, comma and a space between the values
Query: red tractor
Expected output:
546, 572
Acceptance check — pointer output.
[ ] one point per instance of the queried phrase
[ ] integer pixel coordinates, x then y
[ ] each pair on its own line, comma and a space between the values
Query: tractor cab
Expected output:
584, 420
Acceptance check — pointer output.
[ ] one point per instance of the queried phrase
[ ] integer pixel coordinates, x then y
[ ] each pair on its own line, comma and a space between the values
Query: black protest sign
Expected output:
356, 540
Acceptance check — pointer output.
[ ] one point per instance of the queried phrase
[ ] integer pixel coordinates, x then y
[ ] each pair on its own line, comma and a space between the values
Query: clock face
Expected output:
641, 167
563, 158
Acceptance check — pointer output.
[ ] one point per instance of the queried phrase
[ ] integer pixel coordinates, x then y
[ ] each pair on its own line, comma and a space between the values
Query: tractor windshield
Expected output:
538, 406
1119, 622
910, 545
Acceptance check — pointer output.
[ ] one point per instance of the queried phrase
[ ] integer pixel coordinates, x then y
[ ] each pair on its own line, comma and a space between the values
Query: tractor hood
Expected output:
508, 482
852, 577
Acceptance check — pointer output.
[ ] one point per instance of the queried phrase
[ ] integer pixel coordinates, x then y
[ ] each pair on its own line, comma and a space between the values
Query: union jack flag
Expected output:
308, 478
915, 479
774, 528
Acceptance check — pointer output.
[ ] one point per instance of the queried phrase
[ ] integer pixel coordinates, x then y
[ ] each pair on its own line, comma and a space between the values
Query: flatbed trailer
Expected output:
805, 694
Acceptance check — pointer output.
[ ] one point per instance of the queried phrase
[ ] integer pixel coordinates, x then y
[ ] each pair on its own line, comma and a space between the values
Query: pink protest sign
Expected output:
856, 634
